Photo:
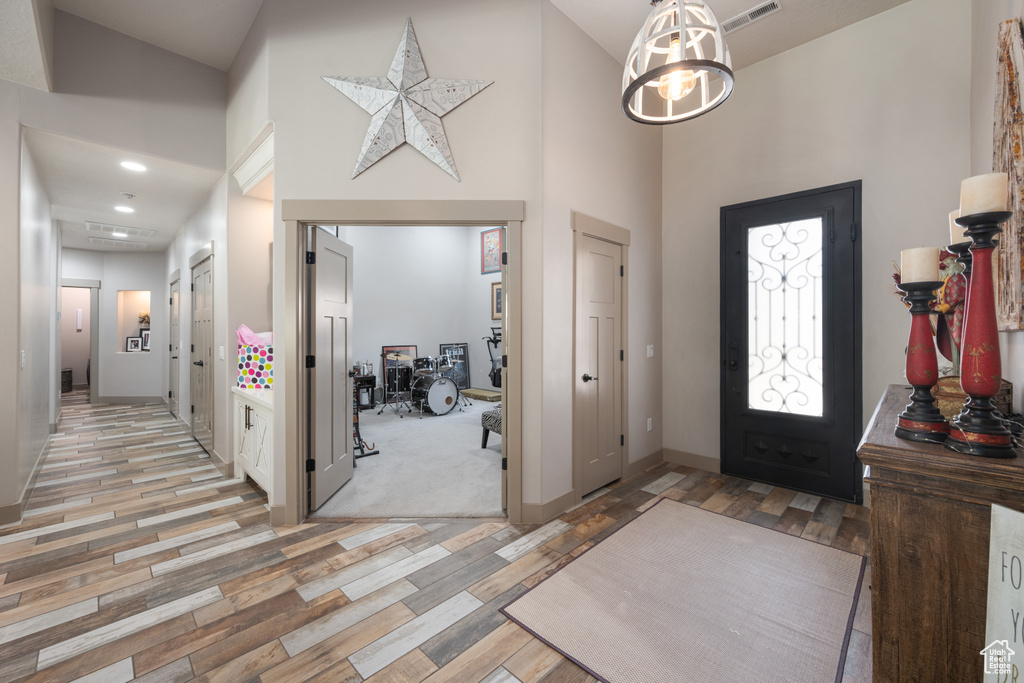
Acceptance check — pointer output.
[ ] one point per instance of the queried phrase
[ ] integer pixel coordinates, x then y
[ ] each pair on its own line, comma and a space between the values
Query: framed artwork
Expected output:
495, 301
133, 344
1008, 157
460, 368
145, 340
490, 251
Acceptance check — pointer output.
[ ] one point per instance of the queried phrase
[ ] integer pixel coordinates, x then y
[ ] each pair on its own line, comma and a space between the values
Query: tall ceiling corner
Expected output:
26, 42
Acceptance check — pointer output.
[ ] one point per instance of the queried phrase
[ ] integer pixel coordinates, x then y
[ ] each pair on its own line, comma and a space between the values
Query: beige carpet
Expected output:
682, 594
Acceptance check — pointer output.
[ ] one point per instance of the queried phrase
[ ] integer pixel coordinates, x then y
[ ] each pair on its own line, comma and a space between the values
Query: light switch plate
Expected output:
650, 350
222, 353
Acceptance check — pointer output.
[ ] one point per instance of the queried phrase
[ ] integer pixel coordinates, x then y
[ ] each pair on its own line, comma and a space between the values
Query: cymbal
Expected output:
394, 355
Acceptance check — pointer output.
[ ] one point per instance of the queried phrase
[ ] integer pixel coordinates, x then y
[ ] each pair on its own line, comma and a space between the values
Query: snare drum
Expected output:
437, 394
424, 367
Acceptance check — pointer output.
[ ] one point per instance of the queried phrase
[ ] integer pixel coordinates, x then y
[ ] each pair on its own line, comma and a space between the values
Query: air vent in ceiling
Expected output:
759, 12
138, 233
117, 244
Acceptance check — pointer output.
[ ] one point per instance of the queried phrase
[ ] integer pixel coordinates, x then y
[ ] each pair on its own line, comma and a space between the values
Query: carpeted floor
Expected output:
683, 594
429, 467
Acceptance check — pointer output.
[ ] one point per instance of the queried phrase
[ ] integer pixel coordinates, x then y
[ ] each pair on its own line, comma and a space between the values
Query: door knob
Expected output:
588, 378
198, 362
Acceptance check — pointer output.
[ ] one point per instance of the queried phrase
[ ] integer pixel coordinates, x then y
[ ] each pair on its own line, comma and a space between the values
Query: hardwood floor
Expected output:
137, 560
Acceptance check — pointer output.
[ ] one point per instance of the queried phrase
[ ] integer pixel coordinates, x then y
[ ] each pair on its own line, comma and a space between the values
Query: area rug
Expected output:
683, 594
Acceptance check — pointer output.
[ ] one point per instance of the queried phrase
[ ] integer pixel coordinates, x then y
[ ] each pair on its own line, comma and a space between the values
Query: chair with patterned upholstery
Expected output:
491, 422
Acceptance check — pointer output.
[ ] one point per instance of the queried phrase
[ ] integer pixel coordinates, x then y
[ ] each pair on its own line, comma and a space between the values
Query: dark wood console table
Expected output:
930, 510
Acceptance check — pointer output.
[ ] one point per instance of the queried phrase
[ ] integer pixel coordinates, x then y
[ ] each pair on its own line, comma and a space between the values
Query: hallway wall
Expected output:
829, 111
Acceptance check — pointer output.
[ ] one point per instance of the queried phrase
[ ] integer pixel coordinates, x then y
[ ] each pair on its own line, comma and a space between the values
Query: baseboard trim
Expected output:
645, 463
53, 427
701, 462
227, 469
278, 515
120, 400
539, 513
13, 512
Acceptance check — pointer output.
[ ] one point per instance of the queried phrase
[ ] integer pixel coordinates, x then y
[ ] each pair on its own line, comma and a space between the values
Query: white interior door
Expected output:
598, 382
202, 354
330, 338
175, 348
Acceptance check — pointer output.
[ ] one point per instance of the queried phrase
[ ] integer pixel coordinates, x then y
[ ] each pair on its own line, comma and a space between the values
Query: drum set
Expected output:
419, 382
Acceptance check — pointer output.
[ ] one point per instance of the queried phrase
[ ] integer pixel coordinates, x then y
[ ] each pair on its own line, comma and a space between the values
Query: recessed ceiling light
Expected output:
133, 166
118, 234
124, 209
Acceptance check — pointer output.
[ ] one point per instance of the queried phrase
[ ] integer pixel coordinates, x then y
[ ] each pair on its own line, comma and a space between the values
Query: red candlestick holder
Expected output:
979, 429
921, 420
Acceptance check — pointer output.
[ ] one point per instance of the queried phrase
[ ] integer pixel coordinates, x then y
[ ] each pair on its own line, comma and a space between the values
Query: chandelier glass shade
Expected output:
679, 66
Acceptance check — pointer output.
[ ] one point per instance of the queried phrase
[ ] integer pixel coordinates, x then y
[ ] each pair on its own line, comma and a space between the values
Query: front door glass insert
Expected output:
784, 317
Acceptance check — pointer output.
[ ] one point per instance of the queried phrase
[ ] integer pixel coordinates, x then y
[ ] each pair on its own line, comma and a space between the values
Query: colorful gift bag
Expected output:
255, 366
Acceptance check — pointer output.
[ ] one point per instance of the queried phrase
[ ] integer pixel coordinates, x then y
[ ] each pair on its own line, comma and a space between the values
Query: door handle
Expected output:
198, 362
734, 356
588, 378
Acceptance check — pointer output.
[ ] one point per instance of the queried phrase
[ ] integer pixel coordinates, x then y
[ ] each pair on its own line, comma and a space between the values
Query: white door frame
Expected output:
94, 332
292, 411
583, 224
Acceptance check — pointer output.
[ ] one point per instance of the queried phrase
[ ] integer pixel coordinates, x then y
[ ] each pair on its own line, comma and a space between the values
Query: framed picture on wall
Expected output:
459, 372
133, 344
490, 251
495, 301
145, 340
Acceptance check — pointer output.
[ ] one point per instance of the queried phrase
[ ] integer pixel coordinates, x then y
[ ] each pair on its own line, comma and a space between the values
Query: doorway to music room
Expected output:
427, 312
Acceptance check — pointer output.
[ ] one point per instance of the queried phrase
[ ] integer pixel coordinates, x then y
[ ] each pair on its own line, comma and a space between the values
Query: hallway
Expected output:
137, 559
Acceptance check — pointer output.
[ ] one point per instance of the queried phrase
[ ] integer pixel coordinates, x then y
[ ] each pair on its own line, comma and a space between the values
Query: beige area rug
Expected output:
682, 594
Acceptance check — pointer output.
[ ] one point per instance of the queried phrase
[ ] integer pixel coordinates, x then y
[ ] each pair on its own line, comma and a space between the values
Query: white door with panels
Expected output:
202, 354
598, 381
330, 461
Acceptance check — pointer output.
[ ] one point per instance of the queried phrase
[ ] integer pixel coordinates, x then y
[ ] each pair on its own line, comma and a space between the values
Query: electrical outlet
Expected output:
650, 423
650, 350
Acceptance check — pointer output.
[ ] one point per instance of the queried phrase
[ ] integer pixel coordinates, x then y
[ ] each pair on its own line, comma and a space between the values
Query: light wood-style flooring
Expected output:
137, 560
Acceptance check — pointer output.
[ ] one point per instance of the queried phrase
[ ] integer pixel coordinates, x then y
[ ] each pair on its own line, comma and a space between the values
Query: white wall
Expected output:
75, 345
478, 313
123, 374
596, 162
833, 110
495, 137
985, 20
34, 384
247, 90
10, 189
420, 285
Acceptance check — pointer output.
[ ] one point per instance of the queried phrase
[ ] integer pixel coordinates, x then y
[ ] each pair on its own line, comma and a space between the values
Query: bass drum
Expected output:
438, 395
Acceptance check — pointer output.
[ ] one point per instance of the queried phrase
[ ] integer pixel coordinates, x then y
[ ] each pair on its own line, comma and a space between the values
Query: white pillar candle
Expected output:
920, 264
956, 232
983, 194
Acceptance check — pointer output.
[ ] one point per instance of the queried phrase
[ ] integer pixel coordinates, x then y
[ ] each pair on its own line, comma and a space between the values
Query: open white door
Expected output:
201, 384
330, 388
174, 348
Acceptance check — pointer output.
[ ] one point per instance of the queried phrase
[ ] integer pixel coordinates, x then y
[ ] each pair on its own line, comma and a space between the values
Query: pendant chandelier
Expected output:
679, 66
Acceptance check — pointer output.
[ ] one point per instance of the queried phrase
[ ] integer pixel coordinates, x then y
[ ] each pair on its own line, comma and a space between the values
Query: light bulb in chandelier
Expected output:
677, 84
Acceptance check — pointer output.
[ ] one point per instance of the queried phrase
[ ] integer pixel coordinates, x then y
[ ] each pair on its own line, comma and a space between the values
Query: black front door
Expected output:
791, 365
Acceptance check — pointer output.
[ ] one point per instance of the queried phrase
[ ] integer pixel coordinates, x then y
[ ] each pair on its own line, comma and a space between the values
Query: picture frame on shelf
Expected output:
145, 340
496, 301
133, 344
490, 251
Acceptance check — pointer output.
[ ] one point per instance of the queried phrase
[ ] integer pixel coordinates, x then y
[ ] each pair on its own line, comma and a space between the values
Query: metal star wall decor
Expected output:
406, 107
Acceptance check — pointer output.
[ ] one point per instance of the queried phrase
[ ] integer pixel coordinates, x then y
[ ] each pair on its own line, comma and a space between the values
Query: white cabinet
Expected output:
254, 435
